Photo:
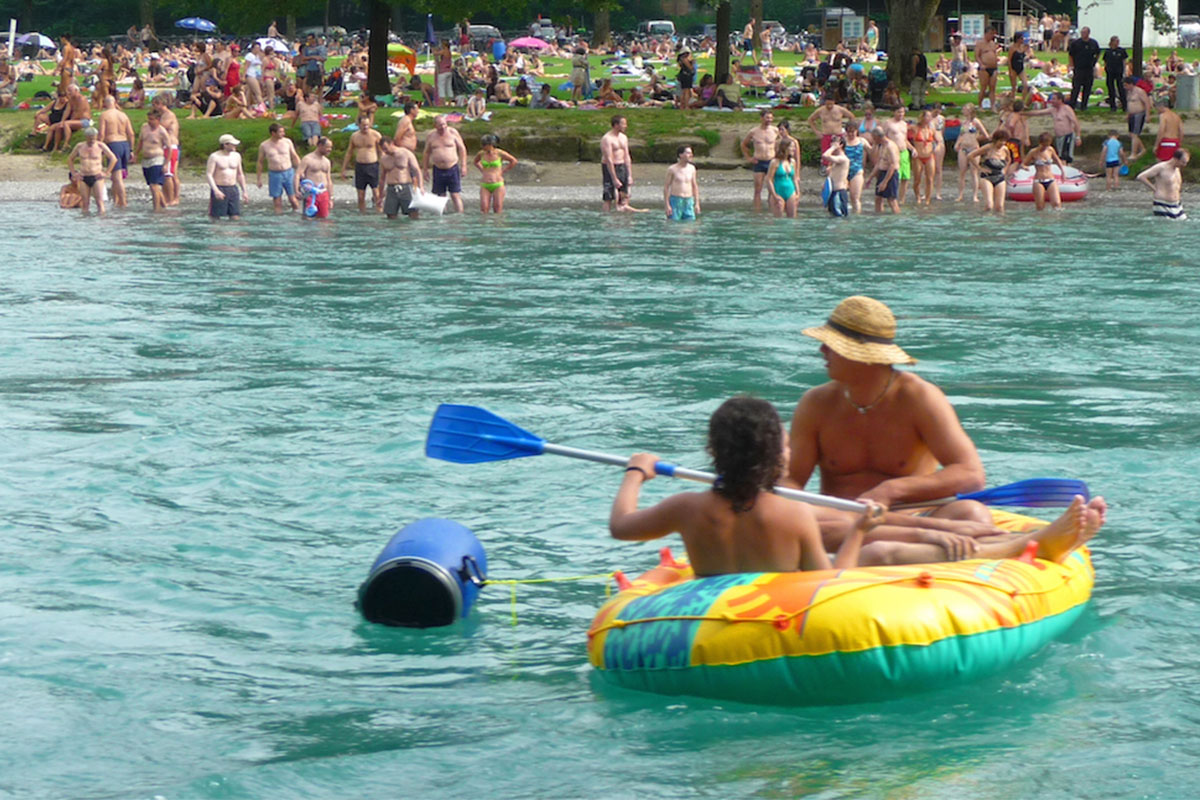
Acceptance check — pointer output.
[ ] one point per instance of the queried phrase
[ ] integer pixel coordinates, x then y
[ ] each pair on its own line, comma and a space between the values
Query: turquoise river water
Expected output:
209, 432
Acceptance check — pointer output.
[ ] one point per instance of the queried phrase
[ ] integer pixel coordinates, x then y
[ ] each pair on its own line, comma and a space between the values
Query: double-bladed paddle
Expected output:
471, 435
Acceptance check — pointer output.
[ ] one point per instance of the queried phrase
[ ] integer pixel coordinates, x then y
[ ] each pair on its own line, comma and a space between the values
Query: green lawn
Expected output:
648, 125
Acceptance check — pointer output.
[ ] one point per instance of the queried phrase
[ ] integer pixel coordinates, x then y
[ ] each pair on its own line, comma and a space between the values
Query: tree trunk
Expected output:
325, 25
756, 14
290, 27
603, 28
27, 17
380, 22
1139, 26
146, 12
724, 15
908, 22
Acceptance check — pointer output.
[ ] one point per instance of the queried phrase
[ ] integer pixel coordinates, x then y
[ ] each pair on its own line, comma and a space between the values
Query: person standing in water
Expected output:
492, 163
681, 190
1165, 179
758, 148
364, 147
616, 165
92, 155
281, 159
116, 131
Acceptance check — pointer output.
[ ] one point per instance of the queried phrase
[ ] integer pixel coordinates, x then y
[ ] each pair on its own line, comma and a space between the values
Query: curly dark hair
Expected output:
745, 440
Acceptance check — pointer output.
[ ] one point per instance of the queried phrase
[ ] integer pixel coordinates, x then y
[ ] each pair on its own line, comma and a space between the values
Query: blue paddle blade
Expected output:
1032, 493
472, 435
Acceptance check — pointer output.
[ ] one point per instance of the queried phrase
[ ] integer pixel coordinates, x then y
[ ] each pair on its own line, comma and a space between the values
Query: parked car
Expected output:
1189, 30
543, 29
656, 27
481, 33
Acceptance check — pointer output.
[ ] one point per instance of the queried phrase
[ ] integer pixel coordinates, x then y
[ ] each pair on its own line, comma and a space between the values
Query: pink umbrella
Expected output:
530, 41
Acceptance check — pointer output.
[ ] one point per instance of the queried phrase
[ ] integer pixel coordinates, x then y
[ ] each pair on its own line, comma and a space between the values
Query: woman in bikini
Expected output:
924, 141
1042, 158
492, 163
270, 66
782, 194
994, 162
971, 133
869, 123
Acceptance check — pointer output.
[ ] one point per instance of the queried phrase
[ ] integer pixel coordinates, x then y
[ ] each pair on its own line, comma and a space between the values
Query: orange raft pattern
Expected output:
835, 636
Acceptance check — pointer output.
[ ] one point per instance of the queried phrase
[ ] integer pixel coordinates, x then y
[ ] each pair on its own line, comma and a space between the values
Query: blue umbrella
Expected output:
430, 36
196, 24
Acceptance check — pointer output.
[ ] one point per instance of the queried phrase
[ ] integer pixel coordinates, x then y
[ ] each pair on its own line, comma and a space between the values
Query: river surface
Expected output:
209, 432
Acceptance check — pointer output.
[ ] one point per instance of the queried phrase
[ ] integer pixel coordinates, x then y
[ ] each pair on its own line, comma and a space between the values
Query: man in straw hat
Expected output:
879, 434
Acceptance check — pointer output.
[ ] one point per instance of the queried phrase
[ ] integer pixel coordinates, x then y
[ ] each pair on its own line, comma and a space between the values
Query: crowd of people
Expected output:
218, 80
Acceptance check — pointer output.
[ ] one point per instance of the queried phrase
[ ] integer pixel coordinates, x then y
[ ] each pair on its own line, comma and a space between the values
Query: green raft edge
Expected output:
845, 678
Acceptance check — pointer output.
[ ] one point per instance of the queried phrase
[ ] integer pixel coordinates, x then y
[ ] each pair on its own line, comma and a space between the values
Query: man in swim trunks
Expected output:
170, 123
958, 57
896, 130
759, 148
308, 114
92, 155
281, 158
151, 148
116, 131
226, 180
1066, 125
616, 165
987, 53
1170, 129
1137, 109
406, 132
364, 146
838, 204
829, 120
887, 165
445, 151
401, 173
315, 167
1166, 180
890, 437
681, 191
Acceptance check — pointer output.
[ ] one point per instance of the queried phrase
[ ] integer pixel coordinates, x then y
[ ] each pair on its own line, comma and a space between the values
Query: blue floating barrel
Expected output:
428, 575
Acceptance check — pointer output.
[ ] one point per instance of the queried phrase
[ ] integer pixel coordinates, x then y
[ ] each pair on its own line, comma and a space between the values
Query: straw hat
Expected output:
862, 329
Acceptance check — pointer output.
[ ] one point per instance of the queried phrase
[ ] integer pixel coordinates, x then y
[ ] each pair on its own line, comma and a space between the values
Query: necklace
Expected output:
873, 403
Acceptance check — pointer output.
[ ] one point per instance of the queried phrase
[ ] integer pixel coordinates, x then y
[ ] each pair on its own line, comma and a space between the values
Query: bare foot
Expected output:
1095, 513
1059, 538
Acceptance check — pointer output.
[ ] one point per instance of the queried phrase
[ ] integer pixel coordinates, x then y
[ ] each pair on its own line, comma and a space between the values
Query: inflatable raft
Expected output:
1072, 185
835, 636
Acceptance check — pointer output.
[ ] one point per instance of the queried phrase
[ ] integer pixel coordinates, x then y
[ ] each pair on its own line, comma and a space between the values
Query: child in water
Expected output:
738, 525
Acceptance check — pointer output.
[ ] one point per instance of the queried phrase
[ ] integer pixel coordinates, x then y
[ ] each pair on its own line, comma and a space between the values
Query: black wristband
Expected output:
645, 475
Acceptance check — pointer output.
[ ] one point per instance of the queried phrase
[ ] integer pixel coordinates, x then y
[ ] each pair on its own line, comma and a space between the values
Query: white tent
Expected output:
1109, 18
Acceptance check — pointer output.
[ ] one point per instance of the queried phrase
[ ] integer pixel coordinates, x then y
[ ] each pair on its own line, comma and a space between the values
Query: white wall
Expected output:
1115, 18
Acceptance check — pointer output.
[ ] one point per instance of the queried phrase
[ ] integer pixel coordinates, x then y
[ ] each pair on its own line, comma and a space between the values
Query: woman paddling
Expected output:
738, 525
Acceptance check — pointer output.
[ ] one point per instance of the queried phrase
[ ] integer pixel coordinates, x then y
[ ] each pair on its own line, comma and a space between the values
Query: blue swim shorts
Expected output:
281, 182
683, 208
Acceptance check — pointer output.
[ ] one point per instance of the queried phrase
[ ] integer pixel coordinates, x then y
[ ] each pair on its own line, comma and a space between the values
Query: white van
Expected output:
656, 27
